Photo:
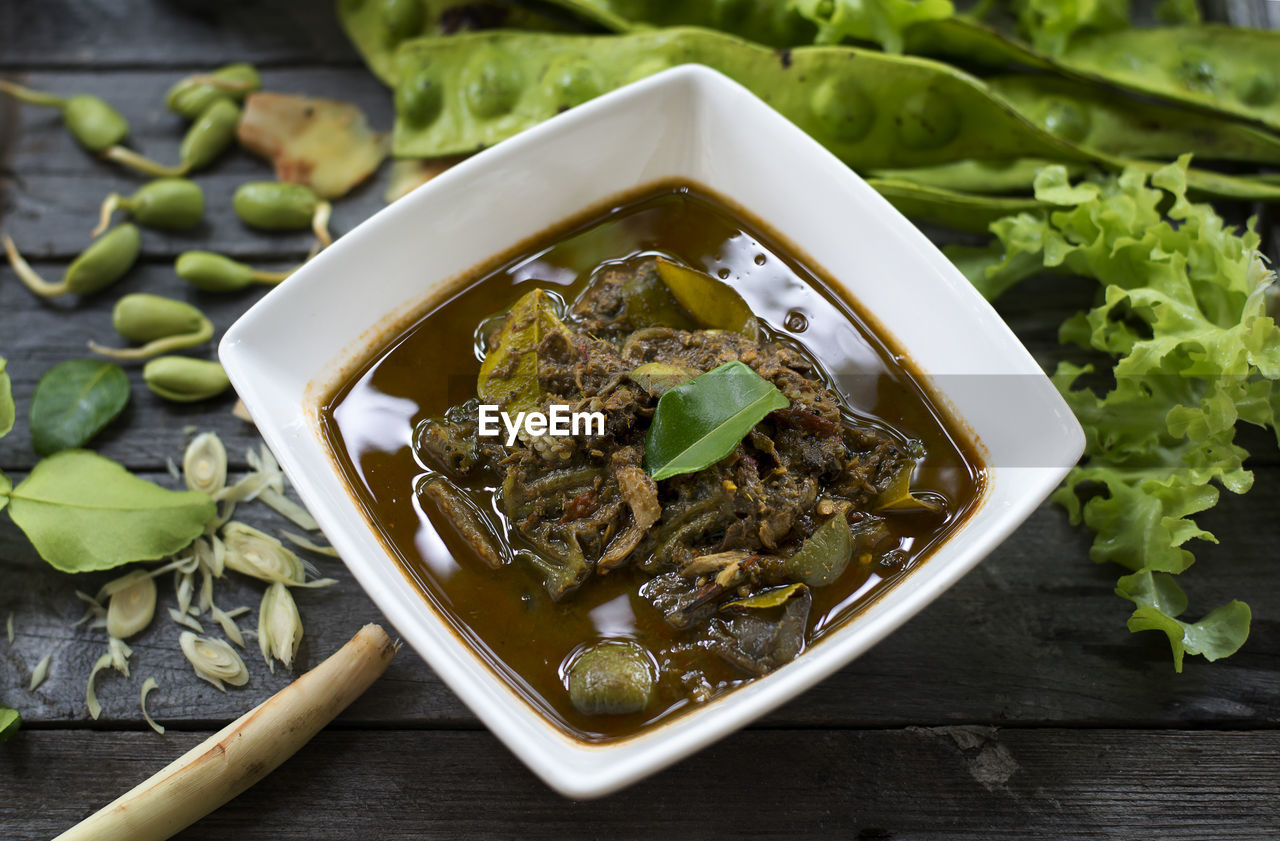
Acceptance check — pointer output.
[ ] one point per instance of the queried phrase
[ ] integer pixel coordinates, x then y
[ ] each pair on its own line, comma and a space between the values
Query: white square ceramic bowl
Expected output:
687, 122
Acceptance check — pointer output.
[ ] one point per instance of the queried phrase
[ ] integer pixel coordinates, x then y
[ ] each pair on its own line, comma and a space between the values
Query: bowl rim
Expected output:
571, 766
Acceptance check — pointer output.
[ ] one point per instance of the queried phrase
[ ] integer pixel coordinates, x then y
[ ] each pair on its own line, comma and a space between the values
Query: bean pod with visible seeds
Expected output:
171, 204
159, 324
872, 110
217, 273
185, 380
101, 264
192, 96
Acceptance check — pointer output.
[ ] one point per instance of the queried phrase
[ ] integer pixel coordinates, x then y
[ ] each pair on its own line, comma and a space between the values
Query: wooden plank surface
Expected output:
1096, 737
906, 785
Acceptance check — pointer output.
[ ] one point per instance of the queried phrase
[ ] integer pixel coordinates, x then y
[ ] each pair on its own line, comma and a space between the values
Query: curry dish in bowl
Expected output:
746, 461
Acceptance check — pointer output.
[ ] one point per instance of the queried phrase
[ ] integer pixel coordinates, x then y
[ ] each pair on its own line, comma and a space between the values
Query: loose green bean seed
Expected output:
160, 324
170, 204
93, 123
185, 380
207, 138
216, 273
280, 206
192, 96
210, 135
275, 205
101, 264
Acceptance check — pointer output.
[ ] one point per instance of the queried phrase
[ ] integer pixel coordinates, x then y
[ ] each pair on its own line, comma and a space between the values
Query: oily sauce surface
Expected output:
506, 614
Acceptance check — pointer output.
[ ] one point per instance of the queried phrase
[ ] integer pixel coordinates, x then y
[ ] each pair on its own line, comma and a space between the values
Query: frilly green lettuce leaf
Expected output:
881, 21
1050, 24
1183, 312
1160, 600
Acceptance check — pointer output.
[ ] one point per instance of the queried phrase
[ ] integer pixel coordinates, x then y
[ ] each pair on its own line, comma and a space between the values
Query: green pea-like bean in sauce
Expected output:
607, 657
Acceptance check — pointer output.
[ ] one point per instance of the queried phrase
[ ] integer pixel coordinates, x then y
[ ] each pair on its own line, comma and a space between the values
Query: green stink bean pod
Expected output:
93, 123
101, 264
1100, 119
159, 324
216, 273
192, 96
871, 109
377, 27
171, 204
185, 380
1228, 69
281, 206
951, 208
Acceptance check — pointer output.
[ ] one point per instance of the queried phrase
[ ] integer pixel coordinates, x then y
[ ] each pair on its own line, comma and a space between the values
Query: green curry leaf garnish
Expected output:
700, 422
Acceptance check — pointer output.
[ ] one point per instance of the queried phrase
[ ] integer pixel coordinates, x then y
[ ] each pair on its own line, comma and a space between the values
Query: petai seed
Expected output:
185, 380
192, 96
275, 205
142, 317
210, 135
611, 678
105, 261
93, 123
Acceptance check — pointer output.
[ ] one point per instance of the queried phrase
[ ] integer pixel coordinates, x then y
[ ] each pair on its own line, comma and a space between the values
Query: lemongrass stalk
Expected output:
241, 754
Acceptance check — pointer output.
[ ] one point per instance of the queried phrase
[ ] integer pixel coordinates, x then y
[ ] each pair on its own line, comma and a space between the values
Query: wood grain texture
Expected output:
1096, 737
917, 784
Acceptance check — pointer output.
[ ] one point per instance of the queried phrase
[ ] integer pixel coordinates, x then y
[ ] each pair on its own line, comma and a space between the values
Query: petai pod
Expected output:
951, 208
101, 264
159, 324
377, 27
192, 96
872, 110
1110, 122
1018, 176
768, 22
1228, 69
216, 273
185, 380
171, 204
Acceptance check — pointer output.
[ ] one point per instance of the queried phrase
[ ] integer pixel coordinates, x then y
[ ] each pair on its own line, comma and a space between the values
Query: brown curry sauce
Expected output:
505, 614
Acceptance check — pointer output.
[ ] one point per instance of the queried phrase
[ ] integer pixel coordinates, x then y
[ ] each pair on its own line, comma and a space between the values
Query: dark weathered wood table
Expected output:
1016, 706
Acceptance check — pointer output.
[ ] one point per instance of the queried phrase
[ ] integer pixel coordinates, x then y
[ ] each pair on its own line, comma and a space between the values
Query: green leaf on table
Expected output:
7, 410
5, 487
83, 512
509, 375
700, 422
74, 400
10, 721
